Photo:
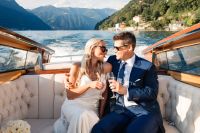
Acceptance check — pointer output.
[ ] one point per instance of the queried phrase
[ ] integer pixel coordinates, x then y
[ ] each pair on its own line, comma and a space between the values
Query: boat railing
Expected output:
70, 58
66, 58
61, 62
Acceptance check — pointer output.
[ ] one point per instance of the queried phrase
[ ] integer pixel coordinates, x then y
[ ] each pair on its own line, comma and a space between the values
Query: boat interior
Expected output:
32, 89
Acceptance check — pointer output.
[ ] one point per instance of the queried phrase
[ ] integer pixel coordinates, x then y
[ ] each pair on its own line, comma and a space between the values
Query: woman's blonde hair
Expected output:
87, 57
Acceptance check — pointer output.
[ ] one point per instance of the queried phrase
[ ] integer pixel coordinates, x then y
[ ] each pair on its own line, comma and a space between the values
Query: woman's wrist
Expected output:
88, 86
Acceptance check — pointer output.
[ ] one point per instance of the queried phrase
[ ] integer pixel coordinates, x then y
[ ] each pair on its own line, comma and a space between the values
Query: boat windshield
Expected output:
16, 59
186, 59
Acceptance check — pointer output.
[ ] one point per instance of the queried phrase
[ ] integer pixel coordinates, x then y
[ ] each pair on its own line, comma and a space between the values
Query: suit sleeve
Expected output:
110, 60
149, 90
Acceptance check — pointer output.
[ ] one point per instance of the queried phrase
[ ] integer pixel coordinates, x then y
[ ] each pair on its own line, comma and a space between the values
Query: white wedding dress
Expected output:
81, 114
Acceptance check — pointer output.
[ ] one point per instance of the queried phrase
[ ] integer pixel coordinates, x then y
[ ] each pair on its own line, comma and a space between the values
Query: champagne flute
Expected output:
112, 77
101, 79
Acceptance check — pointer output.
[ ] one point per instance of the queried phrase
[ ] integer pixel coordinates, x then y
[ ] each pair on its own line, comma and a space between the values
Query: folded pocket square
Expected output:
137, 80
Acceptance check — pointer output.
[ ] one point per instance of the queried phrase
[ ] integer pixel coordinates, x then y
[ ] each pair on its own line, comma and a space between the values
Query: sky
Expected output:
115, 4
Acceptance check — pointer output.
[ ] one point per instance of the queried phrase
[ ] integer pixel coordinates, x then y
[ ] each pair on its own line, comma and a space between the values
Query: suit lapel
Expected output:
118, 67
135, 69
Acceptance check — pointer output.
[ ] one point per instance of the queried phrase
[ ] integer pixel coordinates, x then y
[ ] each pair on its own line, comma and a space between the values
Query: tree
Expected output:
156, 14
147, 14
121, 19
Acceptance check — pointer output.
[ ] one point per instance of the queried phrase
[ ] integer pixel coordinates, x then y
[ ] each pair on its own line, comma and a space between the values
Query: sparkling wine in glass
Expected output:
102, 79
111, 77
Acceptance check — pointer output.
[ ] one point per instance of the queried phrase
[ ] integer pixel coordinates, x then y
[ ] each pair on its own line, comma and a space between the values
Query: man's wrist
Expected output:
124, 90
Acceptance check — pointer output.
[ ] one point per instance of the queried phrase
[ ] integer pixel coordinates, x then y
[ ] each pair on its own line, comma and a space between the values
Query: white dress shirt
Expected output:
130, 62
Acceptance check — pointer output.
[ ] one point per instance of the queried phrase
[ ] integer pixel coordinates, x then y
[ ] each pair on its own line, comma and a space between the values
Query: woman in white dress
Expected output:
79, 112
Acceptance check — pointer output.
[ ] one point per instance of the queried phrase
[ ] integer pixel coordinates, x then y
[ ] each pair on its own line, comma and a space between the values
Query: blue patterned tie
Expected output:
121, 73
119, 97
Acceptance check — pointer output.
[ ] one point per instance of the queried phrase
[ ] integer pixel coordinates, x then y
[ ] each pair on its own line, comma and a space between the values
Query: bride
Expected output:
79, 112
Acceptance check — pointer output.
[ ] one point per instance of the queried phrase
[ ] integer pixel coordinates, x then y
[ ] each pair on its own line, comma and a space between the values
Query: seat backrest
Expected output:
48, 95
15, 98
163, 95
180, 104
32, 96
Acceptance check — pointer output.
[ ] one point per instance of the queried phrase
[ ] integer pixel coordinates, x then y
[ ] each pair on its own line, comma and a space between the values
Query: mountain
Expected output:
71, 18
157, 13
13, 16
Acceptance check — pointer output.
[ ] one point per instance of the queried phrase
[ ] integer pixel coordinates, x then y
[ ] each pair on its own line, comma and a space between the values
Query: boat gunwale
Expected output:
174, 37
16, 36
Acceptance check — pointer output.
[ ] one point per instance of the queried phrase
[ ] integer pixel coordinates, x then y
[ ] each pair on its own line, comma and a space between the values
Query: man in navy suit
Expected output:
135, 108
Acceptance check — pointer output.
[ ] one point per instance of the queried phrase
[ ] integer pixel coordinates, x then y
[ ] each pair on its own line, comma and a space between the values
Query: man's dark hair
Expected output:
127, 37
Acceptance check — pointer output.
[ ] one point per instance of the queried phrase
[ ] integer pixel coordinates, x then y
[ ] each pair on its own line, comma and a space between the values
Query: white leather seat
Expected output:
179, 103
34, 98
41, 125
38, 99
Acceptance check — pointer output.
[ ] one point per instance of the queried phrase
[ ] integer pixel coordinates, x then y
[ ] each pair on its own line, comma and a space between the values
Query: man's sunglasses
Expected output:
103, 48
120, 47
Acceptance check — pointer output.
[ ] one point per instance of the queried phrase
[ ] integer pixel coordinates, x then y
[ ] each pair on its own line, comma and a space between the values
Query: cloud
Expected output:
116, 4
30, 4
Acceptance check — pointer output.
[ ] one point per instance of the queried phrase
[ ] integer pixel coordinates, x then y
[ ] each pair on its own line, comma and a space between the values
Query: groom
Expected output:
136, 108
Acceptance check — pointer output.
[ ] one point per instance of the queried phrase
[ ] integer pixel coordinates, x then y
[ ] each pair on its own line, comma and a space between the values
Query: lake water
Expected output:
67, 43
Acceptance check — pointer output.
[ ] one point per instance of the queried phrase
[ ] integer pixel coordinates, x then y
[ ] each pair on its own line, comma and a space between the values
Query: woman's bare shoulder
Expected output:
75, 67
76, 64
107, 67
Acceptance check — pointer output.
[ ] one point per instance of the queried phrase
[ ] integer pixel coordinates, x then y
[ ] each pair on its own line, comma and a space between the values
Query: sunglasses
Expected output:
103, 48
120, 47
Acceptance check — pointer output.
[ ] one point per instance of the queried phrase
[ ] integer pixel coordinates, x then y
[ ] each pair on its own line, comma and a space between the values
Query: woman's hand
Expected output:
68, 85
96, 84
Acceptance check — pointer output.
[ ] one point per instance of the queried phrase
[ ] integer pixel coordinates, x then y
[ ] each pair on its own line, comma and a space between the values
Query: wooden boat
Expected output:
27, 90
177, 58
32, 89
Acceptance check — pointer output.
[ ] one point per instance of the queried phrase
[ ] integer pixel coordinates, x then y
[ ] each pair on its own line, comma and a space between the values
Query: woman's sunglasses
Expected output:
103, 48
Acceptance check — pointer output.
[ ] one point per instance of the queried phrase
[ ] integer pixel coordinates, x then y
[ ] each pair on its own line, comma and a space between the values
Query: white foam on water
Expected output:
70, 54
139, 49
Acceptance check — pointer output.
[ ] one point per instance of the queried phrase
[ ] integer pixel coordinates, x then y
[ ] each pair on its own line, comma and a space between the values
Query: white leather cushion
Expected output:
0, 118
169, 128
163, 95
183, 106
46, 96
32, 85
60, 95
41, 125
14, 97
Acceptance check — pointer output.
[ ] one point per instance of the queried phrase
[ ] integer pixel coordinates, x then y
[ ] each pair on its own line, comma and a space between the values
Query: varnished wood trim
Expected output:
180, 45
55, 71
196, 26
148, 56
5, 40
8, 76
12, 39
187, 78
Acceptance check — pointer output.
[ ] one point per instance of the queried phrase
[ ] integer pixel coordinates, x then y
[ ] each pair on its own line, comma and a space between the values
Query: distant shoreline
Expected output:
145, 29
109, 29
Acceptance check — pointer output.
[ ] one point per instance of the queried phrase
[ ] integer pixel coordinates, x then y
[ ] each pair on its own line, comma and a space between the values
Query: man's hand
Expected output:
117, 87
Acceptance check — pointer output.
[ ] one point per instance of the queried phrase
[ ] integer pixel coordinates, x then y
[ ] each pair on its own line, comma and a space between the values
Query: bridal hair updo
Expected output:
87, 58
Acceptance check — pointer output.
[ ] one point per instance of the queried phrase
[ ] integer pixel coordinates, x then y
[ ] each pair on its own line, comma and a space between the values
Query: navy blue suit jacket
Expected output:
143, 85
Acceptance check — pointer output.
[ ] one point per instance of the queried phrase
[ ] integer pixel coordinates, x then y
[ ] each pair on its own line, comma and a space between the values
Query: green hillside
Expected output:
157, 13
